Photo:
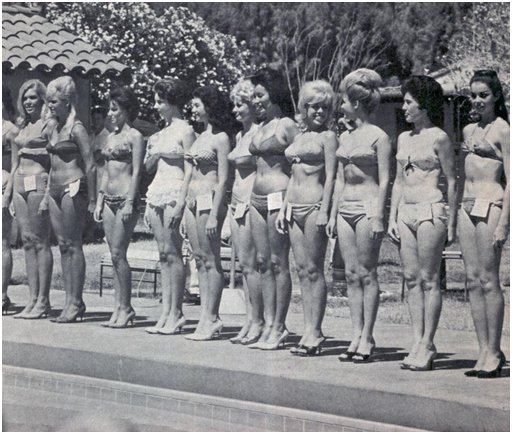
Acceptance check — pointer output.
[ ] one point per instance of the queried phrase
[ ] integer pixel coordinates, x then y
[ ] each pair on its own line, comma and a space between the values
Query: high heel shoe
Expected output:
23, 314
6, 303
69, 318
213, 333
241, 334
281, 341
364, 357
171, 330
251, 340
112, 320
310, 351
39, 312
495, 373
346, 356
122, 323
427, 366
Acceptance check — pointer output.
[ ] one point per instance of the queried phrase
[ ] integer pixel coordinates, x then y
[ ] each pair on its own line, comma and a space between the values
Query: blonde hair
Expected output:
362, 85
40, 90
65, 89
317, 91
243, 90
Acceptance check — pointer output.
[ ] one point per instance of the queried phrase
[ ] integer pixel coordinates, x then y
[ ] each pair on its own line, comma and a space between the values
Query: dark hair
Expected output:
490, 78
126, 99
173, 90
7, 100
101, 109
429, 95
218, 107
275, 84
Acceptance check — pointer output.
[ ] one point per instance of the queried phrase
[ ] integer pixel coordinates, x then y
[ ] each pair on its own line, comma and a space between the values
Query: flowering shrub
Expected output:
175, 44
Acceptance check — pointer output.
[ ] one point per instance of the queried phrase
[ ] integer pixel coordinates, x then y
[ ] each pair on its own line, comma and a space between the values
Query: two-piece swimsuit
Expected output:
121, 152
297, 154
413, 214
32, 148
204, 158
353, 211
165, 189
242, 159
482, 149
270, 147
66, 150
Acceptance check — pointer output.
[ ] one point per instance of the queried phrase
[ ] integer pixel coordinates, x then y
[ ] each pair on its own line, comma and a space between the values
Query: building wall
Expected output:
15, 80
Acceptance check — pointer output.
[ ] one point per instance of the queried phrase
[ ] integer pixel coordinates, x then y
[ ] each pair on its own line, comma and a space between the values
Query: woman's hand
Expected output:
43, 206
183, 229
175, 215
211, 225
127, 211
91, 207
377, 228
330, 229
98, 212
321, 221
281, 225
11, 209
393, 231
500, 236
450, 235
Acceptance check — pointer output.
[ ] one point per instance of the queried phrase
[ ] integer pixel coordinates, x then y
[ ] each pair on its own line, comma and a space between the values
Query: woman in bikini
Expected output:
165, 198
484, 216
359, 205
245, 171
305, 208
207, 160
118, 195
71, 190
277, 132
30, 167
418, 218
9, 132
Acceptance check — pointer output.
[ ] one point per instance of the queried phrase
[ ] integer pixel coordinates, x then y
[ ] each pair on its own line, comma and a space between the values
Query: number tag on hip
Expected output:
29, 183
73, 188
370, 207
480, 208
423, 212
275, 200
240, 211
204, 202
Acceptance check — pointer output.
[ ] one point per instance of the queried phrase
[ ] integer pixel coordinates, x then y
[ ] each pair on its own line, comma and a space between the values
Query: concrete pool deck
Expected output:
441, 400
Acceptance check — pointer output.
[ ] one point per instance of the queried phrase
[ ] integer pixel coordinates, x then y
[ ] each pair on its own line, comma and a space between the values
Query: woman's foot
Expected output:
492, 366
253, 334
154, 330
206, 332
424, 359
27, 309
479, 365
172, 326
241, 334
409, 359
125, 317
72, 312
364, 351
6, 303
264, 336
275, 340
40, 310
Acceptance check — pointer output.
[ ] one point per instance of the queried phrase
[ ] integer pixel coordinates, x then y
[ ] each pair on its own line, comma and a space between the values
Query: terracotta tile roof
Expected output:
31, 41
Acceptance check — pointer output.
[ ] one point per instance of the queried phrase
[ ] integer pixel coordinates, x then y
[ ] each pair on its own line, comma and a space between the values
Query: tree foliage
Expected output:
176, 43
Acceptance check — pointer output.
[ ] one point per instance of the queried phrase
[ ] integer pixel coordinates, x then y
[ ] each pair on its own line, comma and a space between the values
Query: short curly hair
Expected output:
126, 99
244, 90
317, 91
429, 95
218, 107
173, 90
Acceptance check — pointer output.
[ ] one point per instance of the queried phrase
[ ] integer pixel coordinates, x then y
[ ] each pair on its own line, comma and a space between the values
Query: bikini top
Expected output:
64, 148
483, 148
201, 156
421, 157
240, 156
271, 146
302, 152
161, 143
360, 155
117, 152
29, 144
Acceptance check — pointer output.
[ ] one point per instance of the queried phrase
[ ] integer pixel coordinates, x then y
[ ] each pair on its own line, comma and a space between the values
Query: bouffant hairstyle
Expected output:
126, 99
243, 90
218, 108
275, 84
315, 92
429, 95
65, 89
490, 78
174, 91
362, 85
39, 88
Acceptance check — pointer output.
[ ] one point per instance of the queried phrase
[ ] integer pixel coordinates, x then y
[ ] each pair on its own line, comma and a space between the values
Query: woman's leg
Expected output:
489, 260
314, 247
367, 257
280, 251
6, 253
411, 272
109, 223
265, 292
119, 242
244, 247
470, 254
431, 237
348, 245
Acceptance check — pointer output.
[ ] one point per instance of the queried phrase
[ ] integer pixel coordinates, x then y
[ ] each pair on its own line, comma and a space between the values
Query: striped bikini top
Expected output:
201, 155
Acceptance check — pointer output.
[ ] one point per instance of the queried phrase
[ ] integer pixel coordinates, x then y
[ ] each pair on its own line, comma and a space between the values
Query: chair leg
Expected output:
101, 280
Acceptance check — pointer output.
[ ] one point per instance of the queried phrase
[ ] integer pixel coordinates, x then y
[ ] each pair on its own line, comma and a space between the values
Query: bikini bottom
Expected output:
23, 185
481, 210
260, 202
191, 203
413, 214
353, 211
155, 211
116, 202
299, 212
74, 189
238, 208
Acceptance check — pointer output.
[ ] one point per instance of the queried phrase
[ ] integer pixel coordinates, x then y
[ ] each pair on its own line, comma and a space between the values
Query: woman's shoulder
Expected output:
135, 134
286, 123
378, 132
328, 135
502, 125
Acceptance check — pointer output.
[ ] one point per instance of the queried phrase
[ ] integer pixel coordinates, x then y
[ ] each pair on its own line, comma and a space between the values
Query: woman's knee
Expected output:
279, 265
367, 276
117, 255
412, 279
169, 257
489, 282
430, 280
262, 263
